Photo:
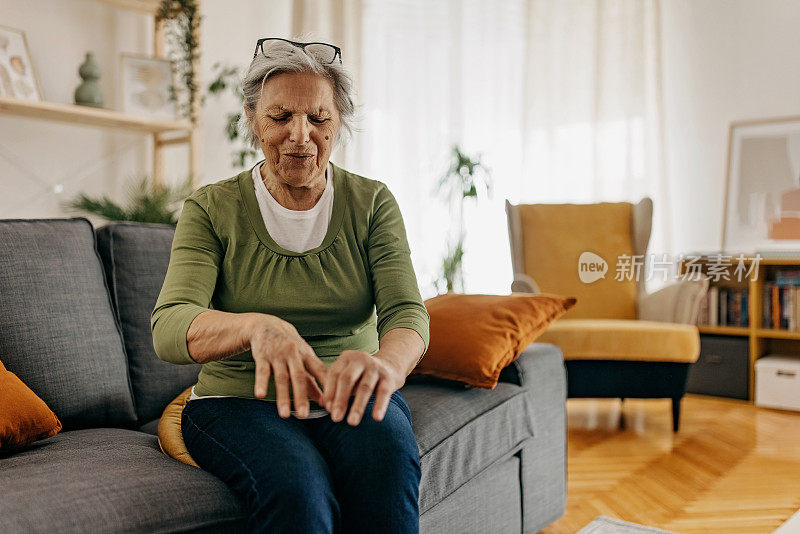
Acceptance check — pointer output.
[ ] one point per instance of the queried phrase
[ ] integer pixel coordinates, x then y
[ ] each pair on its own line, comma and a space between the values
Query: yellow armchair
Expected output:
618, 340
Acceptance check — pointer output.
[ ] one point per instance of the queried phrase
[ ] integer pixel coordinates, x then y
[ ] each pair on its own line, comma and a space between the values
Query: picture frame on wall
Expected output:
146, 83
762, 193
17, 77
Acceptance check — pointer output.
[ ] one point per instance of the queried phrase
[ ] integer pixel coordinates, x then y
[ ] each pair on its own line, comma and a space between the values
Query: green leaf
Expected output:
146, 203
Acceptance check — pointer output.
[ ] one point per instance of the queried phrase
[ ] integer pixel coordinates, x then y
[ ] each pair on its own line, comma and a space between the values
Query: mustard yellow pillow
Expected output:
474, 337
170, 438
24, 417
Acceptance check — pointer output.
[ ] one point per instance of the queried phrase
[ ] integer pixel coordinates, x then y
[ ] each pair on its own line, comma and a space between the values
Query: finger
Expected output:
363, 392
281, 376
314, 393
382, 396
298, 374
315, 367
344, 387
329, 384
262, 377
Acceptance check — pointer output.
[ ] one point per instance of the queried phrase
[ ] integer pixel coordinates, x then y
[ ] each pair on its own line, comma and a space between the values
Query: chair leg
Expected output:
622, 423
676, 413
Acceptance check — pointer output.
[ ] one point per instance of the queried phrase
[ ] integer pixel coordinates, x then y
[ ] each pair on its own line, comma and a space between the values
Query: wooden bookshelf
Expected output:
164, 132
773, 333
143, 6
89, 116
724, 330
761, 340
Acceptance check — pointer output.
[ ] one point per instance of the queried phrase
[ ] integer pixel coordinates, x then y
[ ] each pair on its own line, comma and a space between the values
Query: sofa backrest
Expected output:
135, 257
58, 331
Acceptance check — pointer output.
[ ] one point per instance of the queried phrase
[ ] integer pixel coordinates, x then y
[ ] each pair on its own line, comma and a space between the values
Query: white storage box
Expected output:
778, 382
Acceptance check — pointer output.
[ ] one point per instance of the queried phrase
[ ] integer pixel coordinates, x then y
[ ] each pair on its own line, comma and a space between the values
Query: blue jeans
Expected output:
310, 475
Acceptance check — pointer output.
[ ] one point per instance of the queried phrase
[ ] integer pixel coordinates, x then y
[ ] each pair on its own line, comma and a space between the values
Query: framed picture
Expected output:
17, 79
762, 196
146, 83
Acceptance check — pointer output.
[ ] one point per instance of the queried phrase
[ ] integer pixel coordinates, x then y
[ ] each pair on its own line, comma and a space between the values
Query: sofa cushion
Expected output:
59, 333
460, 432
135, 257
111, 479
623, 339
150, 427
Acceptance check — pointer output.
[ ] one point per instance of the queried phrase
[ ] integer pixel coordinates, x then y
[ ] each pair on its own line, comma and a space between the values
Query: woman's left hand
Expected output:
359, 373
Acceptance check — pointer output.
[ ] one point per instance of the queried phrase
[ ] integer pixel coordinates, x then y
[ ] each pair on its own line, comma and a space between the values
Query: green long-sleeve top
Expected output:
344, 294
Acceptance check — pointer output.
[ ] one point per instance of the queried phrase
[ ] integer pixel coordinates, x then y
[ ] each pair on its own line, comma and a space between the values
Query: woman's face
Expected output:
296, 121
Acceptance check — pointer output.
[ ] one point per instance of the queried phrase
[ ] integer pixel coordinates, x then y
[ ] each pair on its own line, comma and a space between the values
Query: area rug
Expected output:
609, 525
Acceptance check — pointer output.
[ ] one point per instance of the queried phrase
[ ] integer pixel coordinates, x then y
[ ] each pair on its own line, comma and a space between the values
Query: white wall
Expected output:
37, 155
723, 61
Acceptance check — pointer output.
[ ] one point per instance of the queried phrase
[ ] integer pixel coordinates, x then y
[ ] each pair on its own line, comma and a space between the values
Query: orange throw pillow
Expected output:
473, 337
24, 417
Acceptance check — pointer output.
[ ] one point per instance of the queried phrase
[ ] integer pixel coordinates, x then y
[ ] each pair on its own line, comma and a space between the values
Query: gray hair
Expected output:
291, 59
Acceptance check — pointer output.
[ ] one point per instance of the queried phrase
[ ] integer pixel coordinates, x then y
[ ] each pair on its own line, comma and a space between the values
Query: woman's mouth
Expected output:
300, 156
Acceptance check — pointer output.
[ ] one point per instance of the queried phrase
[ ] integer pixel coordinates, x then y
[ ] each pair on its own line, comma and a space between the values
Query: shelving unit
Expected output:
145, 6
761, 340
164, 132
74, 114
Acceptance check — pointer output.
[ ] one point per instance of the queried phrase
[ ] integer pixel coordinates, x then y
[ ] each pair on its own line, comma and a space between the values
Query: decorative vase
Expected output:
88, 92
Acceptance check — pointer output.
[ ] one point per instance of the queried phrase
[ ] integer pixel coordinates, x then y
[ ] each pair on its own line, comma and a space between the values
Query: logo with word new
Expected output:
591, 267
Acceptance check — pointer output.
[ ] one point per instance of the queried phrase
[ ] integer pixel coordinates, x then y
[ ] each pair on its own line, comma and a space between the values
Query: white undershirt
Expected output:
294, 230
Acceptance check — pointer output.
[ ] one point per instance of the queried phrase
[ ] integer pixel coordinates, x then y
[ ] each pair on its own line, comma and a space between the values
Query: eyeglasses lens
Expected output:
276, 46
322, 52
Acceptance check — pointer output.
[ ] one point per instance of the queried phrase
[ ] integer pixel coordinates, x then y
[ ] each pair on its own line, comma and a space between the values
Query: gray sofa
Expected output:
75, 304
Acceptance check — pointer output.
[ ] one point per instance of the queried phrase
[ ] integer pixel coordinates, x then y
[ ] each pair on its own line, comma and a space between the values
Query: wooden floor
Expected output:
731, 468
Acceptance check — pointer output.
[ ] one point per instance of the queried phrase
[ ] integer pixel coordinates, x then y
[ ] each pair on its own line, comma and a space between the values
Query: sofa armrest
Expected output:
511, 374
533, 363
678, 302
540, 373
524, 284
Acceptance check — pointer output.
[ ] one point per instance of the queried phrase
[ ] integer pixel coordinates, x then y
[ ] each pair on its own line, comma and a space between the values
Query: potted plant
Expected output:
146, 203
461, 182
181, 21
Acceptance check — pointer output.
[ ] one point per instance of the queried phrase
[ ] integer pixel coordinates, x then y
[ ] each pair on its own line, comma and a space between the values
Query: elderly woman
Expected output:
292, 284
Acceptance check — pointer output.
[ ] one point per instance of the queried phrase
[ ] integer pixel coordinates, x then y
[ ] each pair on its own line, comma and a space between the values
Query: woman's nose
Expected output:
299, 130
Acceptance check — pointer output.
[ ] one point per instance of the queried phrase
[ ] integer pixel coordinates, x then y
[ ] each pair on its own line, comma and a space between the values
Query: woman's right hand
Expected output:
278, 350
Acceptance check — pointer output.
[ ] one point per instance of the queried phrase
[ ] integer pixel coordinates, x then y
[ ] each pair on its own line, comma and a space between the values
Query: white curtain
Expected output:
337, 22
560, 98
